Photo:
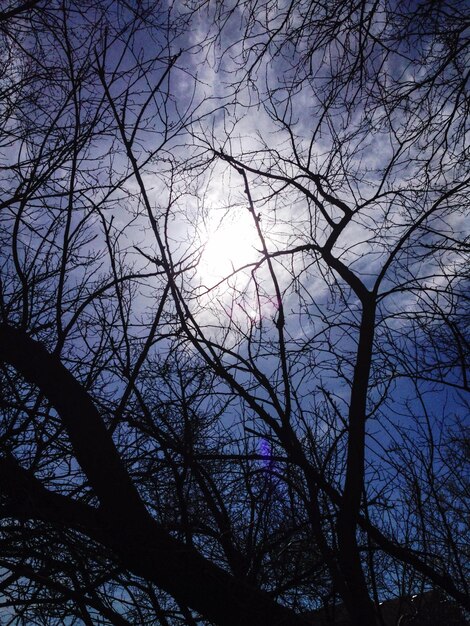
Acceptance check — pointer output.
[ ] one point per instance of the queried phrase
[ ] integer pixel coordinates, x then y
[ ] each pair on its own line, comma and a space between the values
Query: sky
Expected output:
277, 122
244, 175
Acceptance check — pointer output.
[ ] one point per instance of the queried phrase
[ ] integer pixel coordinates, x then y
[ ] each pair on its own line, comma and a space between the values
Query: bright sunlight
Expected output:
231, 243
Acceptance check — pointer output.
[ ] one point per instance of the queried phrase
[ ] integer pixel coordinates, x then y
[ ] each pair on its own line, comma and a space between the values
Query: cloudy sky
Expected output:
258, 169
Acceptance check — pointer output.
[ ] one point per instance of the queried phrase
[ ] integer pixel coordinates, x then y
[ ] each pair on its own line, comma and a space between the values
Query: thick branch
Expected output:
125, 526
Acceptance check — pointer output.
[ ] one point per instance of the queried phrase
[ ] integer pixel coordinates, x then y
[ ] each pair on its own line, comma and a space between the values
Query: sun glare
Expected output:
230, 243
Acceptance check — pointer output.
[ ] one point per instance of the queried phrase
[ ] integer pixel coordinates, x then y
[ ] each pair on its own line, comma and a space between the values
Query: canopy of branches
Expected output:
234, 310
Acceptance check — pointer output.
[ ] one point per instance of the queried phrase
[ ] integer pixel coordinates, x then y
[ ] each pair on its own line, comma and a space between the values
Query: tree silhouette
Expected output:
283, 433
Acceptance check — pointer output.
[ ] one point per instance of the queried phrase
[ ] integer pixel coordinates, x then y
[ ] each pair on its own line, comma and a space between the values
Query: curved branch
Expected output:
122, 522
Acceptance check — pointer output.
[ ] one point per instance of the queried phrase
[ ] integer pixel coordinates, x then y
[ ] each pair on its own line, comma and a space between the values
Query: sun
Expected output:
230, 242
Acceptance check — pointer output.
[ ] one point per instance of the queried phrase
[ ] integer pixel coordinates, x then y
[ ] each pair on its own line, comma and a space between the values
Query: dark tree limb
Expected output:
122, 522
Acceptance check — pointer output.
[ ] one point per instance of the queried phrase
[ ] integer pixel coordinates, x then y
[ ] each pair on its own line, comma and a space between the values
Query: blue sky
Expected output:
259, 193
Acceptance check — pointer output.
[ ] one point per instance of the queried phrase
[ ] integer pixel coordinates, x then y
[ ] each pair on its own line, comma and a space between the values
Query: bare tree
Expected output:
248, 445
